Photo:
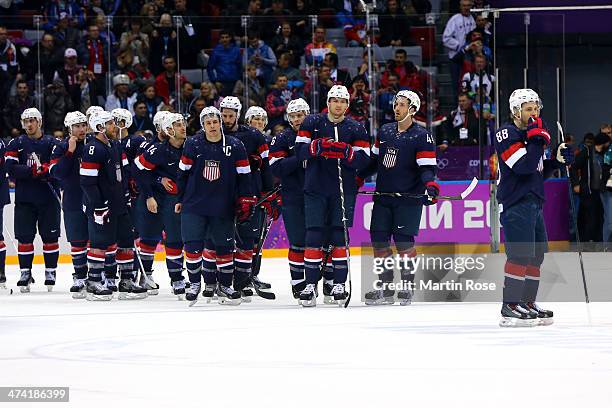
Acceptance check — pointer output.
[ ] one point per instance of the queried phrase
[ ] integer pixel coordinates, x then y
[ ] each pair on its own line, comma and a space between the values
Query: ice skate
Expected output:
328, 298
545, 317
98, 291
405, 297
49, 279
209, 291
25, 281
308, 296
191, 294
129, 290
178, 289
247, 295
228, 296
339, 294
79, 288
147, 282
379, 297
296, 289
111, 284
514, 315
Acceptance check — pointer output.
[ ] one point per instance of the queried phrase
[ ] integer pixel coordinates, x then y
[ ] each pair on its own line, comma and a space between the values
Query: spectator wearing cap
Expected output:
15, 105
294, 76
55, 8
454, 36
68, 74
51, 59
141, 122
410, 76
463, 123
261, 55
277, 100
163, 44
120, 97
140, 75
396, 26
9, 68
338, 75
65, 35
588, 180
169, 82
225, 64
316, 50
134, 43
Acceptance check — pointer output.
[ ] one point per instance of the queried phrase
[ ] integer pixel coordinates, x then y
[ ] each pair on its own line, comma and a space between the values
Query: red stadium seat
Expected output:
425, 37
15, 33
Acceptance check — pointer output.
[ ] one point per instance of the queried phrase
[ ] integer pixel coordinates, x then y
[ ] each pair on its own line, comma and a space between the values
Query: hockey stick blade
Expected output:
470, 188
265, 295
560, 129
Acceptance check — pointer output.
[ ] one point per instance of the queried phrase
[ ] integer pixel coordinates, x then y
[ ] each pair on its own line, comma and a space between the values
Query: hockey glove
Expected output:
169, 185
40, 172
345, 149
101, 215
433, 190
272, 205
255, 161
244, 208
359, 182
536, 131
565, 154
320, 146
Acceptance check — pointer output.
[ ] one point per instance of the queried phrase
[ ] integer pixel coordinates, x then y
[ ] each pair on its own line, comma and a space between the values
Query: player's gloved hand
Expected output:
345, 149
537, 131
320, 146
565, 154
272, 205
101, 215
40, 172
133, 187
169, 185
433, 190
256, 162
244, 208
359, 181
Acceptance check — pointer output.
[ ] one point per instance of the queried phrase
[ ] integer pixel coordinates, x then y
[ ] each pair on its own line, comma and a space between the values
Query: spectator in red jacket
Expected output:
168, 82
409, 74
277, 100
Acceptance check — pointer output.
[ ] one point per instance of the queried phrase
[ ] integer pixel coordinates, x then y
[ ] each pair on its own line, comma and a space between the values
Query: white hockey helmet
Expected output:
158, 118
120, 114
298, 105
521, 96
73, 118
231, 102
92, 109
256, 111
31, 113
413, 99
209, 111
121, 79
98, 119
169, 120
338, 91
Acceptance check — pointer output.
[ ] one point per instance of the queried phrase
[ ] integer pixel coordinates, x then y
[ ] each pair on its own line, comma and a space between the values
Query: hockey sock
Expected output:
110, 262
2, 258
327, 268
209, 265
125, 262
381, 252
340, 264
146, 250
25, 253
407, 253
193, 260
78, 252
243, 259
296, 264
50, 255
95, 264
514, 280
174, 261
225, 265
312, 264
532, 282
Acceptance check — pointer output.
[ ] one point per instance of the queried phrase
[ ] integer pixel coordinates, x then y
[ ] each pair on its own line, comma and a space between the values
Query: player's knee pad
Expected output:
27, 239
380, 238
224, 250
314, 237
147, 247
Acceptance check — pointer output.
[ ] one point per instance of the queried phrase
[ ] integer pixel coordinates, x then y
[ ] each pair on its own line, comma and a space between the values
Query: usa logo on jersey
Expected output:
390, 157
211, 170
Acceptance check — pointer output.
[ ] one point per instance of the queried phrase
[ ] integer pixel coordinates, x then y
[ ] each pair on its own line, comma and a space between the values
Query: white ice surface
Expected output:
159, 352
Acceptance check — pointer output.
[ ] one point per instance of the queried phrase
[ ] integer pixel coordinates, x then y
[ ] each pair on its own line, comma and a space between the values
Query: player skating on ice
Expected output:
36, 197
520, 147
324, 139
157, 169
404, 158
256, 117
214, 186
261, 183
102, 177
65, 166
290, 170
4, 200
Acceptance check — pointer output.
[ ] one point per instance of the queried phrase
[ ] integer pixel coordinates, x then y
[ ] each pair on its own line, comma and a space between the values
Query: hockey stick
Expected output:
264, 229
263, 198
39, 165
344, 226
574, 219
459, 197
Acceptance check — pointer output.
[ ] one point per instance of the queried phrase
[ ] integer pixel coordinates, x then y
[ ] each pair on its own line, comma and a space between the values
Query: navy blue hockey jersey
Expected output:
255, 144
321, 173
102, 172
522, 165
65, 166
157, 161
405, 161
4, 187
287, 167
21, 154
210, 179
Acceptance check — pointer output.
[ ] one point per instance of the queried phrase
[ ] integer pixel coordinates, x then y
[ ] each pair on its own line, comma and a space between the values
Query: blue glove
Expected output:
565, 154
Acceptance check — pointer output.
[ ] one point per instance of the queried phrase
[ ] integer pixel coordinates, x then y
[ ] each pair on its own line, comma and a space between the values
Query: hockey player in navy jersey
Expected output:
317, 145
404, 158
261, 183
102, 178
156, 174
65, 165
290, 170
214, 186
4, 200
523, 167
36, 197
257, 117
90, 111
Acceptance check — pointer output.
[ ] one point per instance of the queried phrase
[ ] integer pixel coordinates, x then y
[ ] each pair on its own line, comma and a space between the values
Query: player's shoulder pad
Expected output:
509, 133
